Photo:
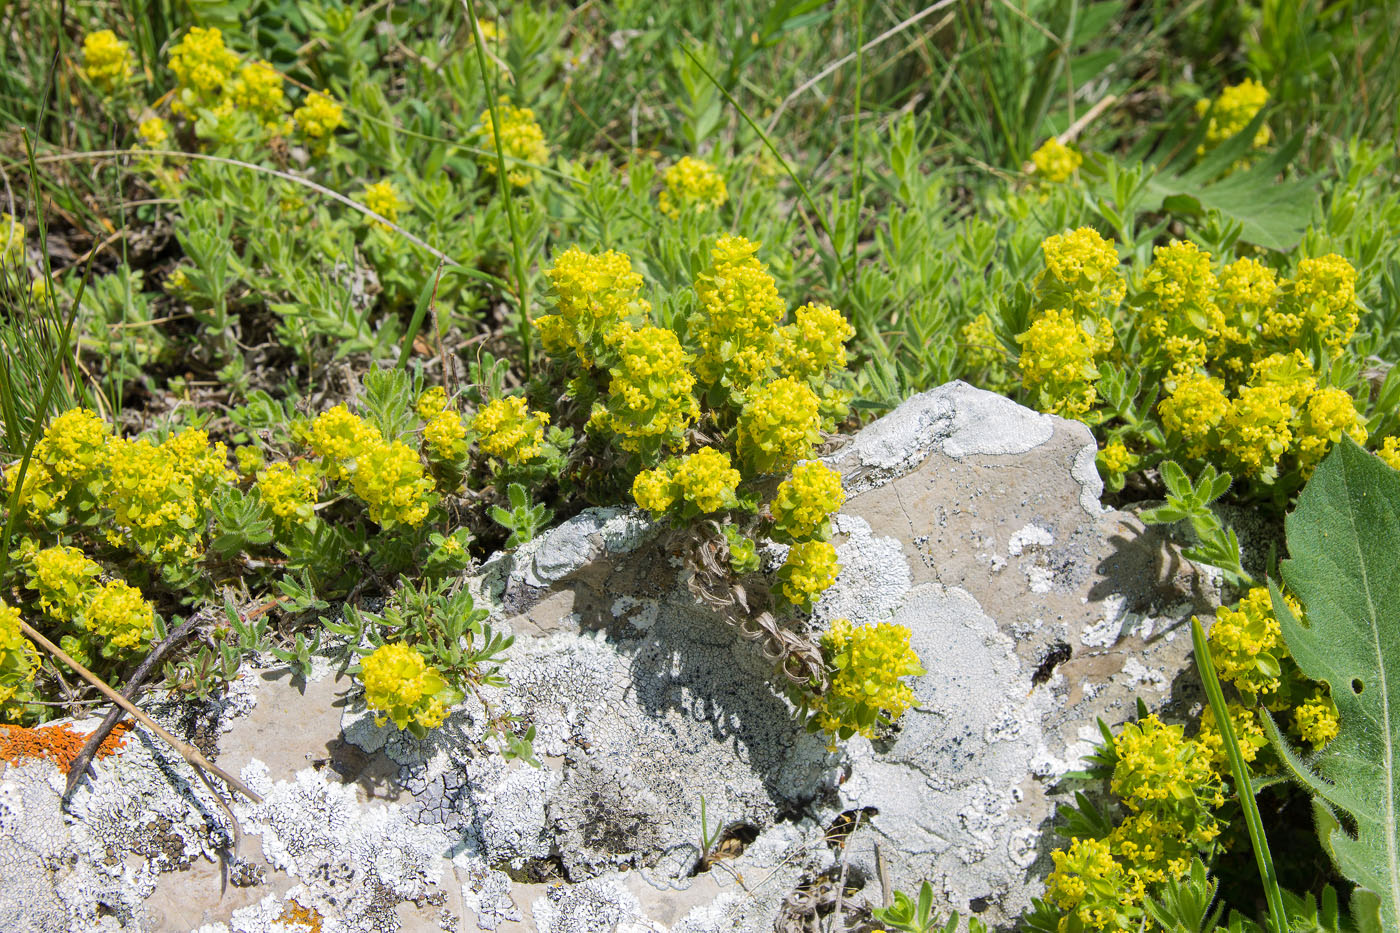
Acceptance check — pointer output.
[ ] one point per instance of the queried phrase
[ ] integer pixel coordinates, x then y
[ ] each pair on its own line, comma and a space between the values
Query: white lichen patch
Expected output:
1028, 536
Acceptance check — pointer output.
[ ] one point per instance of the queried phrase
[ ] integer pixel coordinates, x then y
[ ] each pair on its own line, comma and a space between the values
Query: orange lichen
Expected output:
302, 916
59, 744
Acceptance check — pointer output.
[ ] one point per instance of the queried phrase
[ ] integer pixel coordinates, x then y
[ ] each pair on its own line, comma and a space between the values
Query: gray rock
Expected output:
971, 520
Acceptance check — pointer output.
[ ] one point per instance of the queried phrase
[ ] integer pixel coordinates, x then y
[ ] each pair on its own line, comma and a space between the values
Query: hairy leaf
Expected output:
1344, 538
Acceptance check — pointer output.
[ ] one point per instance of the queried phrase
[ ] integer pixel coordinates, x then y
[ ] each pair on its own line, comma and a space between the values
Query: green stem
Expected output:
512, 217
1240, 770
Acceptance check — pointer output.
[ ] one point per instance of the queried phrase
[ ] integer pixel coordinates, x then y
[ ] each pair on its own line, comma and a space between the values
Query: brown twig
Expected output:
188, 752
114, 715
841, 881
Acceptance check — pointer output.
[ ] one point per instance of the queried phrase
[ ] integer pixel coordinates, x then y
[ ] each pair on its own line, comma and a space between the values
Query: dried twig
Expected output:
841, 881
114, 715
188, 752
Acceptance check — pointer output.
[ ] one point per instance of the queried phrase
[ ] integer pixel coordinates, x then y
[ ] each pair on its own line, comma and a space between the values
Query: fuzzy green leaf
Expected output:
1344, 538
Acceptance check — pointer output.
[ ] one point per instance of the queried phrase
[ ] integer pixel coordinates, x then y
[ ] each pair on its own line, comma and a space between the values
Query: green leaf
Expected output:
1344, 538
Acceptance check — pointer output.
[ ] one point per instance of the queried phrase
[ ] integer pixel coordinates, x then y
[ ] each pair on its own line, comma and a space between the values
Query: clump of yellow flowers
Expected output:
1232, 111
868, 689
1242, 354
107, 61
201, 63
508, 430
18, 664
1056, 162
383, 198
107, 620
691, 185
318, 118
386, 475
401, 686
522, 143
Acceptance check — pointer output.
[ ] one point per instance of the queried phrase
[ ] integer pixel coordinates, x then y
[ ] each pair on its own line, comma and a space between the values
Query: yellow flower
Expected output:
107, 60
399, 684
431, 403
1193, 410
1081, 272
11, 241
446, 436
201, 64
867, 663
1233, 110
119, 619
1390, 452
809, 571
18, 663
383, 199
319, 117
814, 345
779, 425
1316, 719
703, 482
258, 89
1330, 413
739, 306
594, 294
1256, 430
1059, 361
290, 491
507, 429
654, 490
153, 132
522, 143
693, 185
804, 501
651, 400
1056, 162
1116, 460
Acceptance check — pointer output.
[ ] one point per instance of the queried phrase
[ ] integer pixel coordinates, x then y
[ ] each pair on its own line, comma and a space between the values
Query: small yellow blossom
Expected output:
107, 60
1232, 111
153, 132
1056, 162
319, 117
692, 185
507, 429
382, 198
522, 143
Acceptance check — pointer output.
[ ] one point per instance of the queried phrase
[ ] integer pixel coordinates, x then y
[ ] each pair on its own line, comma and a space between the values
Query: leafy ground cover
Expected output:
305, 303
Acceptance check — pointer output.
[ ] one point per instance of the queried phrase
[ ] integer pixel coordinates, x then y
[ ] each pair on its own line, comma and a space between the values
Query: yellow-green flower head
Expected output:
1155, 848
201, 62
249, 459
338, 437
868, 663
431, 403
107, 60
11, 241
809, 571
1081, 271
390, 481
779, 425
1246, 644
692, 185
655, 490
815, 343
446, 436
1323, 296
1090, 885
257, 88
1180, 280
1192, 412
65, 580
1329, 414
320, 116
805, 500
651, 400
1248, 732
160, 494
290, 492
1116, 460
1292, 372
153, 132
401, 686
1256, 431
18, 662
594, 293
508, 430
1316, 719
382, 198
1056, 162
739, 308
1058, 361
1390, 452
1236, 106
522, 143
1247, 289
707, 480
1157, 764
119, 619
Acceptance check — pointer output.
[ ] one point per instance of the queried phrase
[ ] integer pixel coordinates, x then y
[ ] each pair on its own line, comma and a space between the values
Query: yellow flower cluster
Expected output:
1390, 452
160, 494
651, 399
698, 484
401, 686
1056, 162
11, 241
319, 116
594, 294
431, 403
202, 64
1116, 460
382, 198
739, 307
1081, 273
805, 500
114, 618
1247, 646
1090, 885
153, 132
779, 425
1059, 361
68, 468
387, 476
1232, 111
809, 571
692, 185
446, 436
18, 662
290, 492
507, 429
814, 345
257, 88
522, 143
867, 665
107, 60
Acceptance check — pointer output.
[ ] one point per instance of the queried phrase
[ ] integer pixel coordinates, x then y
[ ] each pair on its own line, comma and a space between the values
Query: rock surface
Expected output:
971, 520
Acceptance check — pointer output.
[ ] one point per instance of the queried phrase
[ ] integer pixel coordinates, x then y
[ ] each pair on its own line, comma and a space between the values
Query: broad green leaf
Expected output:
1344, 542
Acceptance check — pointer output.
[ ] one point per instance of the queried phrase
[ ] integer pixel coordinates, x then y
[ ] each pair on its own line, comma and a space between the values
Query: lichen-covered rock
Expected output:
971, 520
